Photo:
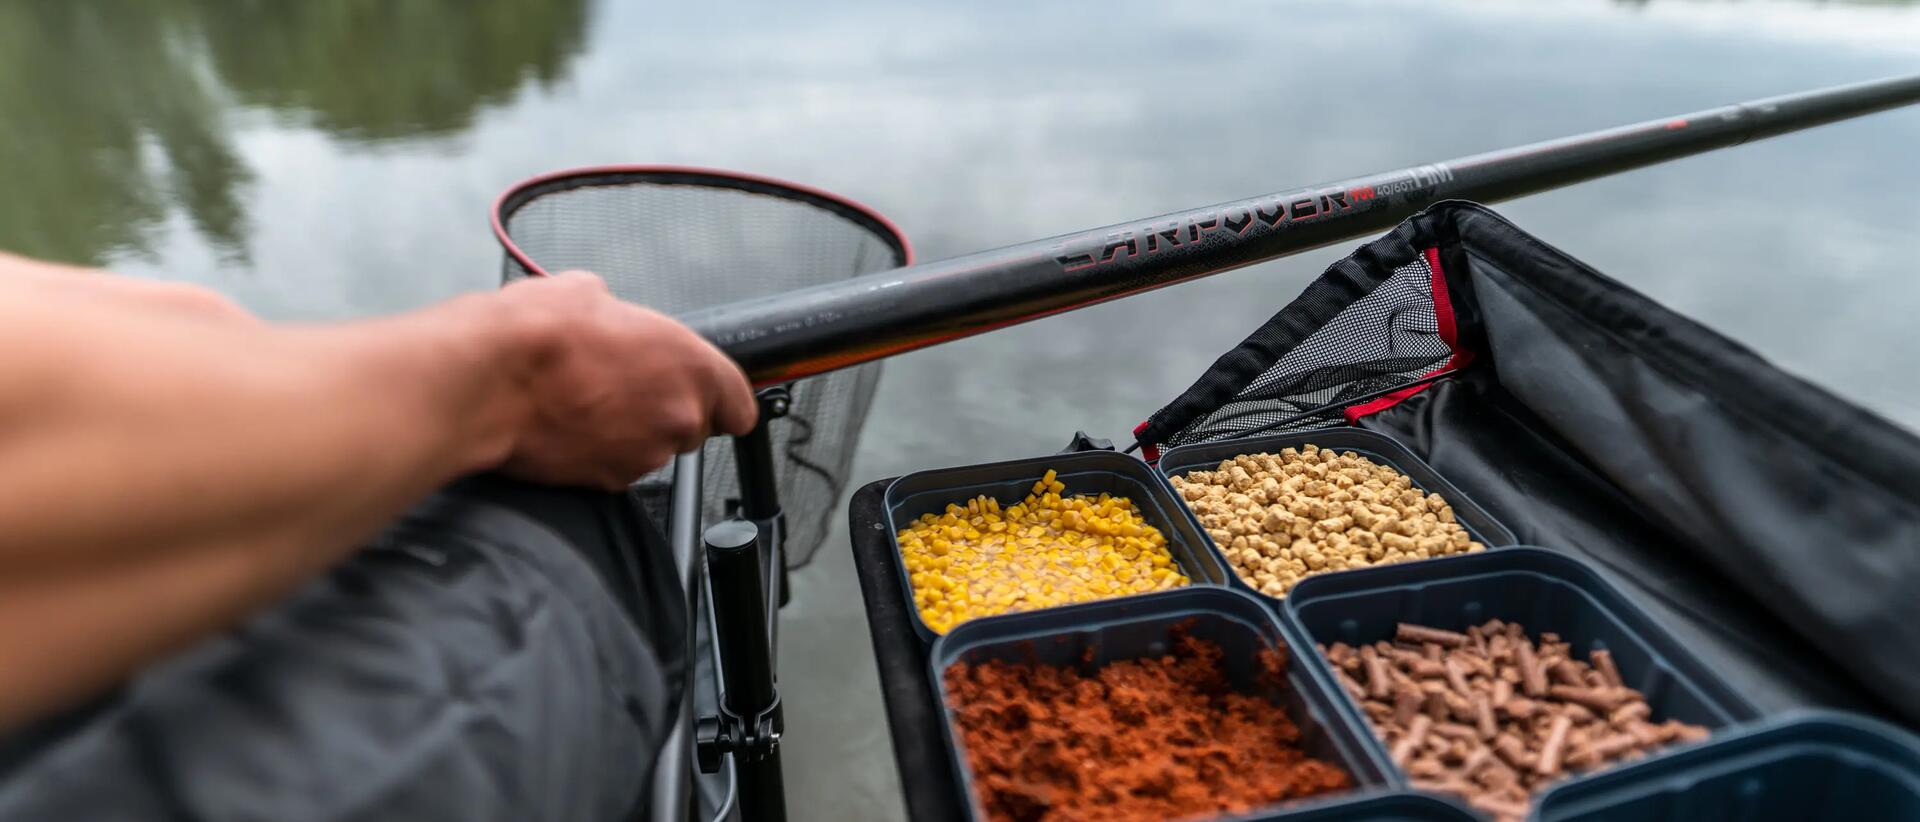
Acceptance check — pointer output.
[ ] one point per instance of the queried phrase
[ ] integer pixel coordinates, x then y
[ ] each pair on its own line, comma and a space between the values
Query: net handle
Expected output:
841, 324
532, 188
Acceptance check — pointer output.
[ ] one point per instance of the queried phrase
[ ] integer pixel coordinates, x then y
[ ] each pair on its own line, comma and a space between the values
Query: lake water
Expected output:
337, 159
333, 160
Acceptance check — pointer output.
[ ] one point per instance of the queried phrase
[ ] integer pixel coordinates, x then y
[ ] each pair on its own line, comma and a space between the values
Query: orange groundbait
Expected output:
1149, 739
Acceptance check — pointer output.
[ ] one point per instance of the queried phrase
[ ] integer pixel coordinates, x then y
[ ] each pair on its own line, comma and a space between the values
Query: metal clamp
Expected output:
752, 739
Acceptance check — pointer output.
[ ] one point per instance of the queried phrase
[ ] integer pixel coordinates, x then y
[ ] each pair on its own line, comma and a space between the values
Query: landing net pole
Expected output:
800, 333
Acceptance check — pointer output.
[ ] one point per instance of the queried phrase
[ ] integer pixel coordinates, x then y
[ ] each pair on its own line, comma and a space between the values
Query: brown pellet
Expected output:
1602, 700
1458, 706
1406, 703
1422, 634
1416, 734
1603, 662
1681, 731
1457, 675
1378, 682
1348, 683
1629, 712
1493, 716
1549, 764
1594, 753
1511, 749
1532, 680
1647, 735
1567, 672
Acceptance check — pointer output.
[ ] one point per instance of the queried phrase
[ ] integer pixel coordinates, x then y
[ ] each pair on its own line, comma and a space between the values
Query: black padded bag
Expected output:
1773, 525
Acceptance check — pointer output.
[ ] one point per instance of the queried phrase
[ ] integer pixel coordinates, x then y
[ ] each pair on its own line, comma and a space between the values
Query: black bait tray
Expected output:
1091, 635
1542, 591
1085, 473
1373, 445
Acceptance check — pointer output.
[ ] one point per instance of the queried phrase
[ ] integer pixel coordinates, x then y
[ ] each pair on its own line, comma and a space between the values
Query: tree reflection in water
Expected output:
114, 113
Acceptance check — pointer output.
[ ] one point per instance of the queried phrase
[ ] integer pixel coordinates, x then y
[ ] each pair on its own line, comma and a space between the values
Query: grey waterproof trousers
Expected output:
472, 664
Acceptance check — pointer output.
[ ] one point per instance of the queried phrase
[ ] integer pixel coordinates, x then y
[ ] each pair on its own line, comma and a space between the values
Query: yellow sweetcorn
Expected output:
982, 558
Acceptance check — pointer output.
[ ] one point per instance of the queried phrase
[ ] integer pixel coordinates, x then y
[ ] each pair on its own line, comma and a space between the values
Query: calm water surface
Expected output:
336, 159
332, 160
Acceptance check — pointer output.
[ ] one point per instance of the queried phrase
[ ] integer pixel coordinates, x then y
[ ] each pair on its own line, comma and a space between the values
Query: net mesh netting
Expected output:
678, 241
1383, 334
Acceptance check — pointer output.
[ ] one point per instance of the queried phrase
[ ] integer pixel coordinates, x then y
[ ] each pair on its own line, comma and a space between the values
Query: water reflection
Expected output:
118, 112
372, 69
107, 124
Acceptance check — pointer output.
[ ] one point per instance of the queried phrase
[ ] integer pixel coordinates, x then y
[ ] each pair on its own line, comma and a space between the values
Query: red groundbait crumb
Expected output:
1147, 739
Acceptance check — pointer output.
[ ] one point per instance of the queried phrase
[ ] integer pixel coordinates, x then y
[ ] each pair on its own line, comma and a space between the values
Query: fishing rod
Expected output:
809, 331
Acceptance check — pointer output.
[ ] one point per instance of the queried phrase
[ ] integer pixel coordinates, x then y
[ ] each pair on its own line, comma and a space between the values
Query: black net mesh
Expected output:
678, 241
1359, 341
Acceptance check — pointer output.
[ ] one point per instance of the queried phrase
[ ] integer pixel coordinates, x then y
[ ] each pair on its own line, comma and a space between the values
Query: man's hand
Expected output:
614, 390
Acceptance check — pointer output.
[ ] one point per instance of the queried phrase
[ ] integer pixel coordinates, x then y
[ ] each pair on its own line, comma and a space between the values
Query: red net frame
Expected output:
683, 238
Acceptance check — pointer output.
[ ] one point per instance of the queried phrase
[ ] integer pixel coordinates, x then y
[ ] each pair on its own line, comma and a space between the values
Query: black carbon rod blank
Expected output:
809, 331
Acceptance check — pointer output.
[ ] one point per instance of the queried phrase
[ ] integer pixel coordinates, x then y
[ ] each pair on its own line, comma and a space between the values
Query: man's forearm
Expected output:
163, 475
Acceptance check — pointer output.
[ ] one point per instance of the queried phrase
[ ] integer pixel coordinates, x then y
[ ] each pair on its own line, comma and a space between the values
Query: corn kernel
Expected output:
981, 557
